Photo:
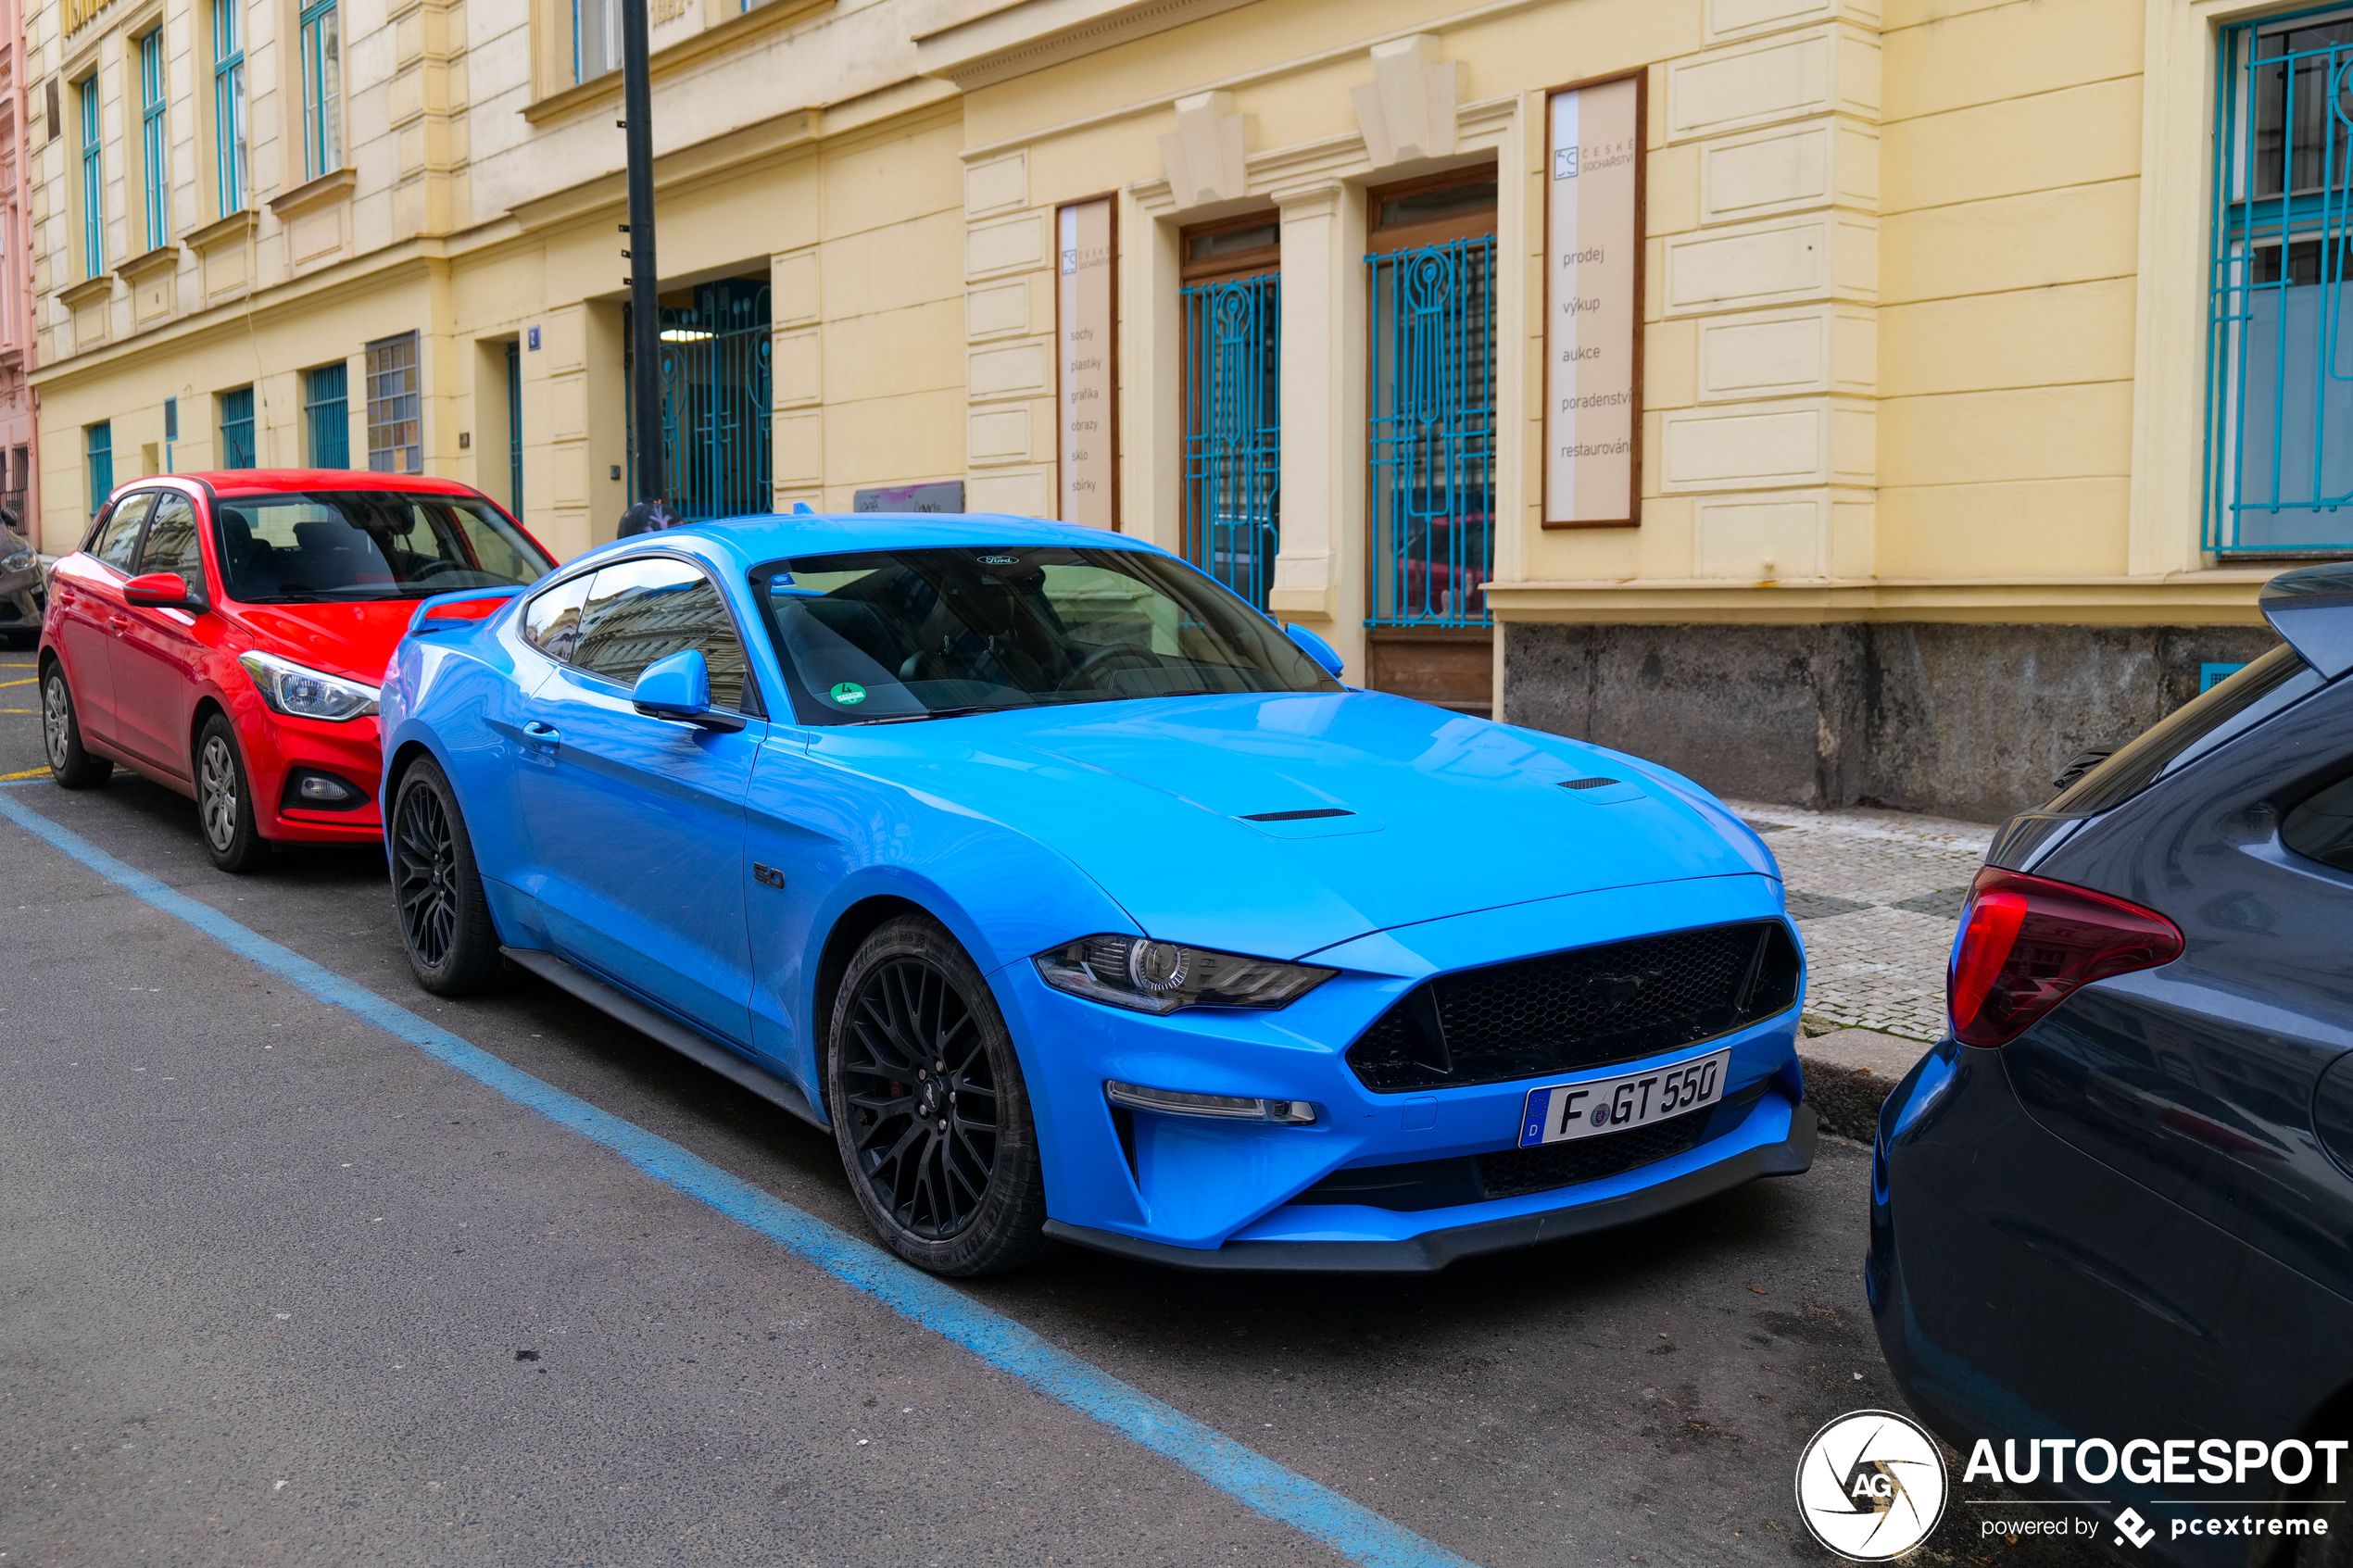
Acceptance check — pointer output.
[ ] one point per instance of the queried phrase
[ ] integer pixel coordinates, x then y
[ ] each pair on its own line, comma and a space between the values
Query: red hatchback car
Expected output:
225, 634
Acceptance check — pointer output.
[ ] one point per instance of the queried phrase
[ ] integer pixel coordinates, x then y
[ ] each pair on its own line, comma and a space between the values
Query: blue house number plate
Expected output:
1561, 1111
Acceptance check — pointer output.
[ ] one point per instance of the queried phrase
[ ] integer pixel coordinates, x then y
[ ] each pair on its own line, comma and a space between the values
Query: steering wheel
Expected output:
435, 568
1096, 663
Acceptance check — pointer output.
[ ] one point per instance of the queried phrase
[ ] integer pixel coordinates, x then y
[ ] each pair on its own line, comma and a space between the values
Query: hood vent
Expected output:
1587, 784
1297, 816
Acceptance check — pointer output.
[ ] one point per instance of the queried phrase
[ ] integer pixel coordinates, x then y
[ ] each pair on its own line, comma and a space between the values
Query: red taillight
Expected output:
2026, 943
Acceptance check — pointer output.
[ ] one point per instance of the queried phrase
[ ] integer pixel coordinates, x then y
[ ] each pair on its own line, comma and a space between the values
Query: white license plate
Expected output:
1561, 1111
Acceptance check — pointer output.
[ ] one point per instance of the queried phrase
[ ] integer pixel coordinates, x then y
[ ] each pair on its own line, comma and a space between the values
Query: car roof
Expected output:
746, 542
272, 482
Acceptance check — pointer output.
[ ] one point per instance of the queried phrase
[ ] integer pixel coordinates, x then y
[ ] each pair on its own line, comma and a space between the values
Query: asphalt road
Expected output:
278, 1287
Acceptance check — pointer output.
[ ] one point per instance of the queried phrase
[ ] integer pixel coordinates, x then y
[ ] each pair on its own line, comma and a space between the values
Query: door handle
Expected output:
546, 736
120, 622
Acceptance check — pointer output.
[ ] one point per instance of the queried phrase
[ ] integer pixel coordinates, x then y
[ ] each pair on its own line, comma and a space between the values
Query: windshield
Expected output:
892, 634
324, 546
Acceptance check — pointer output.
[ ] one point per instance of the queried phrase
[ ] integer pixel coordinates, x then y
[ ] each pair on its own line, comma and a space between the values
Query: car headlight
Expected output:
17, 562
302, 693
1159, 977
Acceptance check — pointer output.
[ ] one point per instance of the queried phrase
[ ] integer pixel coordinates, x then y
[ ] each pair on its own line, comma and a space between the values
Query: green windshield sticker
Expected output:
850, 694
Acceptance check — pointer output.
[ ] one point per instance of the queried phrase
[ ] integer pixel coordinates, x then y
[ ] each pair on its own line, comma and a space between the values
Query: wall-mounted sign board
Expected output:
1085, 348
941, 495
1594, 304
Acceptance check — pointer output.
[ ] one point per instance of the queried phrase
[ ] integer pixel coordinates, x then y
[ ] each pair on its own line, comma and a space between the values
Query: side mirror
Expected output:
162, 590
1315, 647
678, 688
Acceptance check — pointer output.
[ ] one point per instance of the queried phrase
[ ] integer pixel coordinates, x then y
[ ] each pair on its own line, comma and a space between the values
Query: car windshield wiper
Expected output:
934, 713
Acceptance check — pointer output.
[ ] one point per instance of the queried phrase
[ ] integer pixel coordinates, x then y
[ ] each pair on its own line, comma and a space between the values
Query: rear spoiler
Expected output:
442, 611
2312, 608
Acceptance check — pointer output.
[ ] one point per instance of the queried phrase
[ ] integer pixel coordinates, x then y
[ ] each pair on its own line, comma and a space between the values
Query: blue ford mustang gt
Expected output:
1080, 901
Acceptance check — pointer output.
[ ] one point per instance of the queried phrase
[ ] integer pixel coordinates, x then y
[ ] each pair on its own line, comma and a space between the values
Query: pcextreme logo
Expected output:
1870, 1485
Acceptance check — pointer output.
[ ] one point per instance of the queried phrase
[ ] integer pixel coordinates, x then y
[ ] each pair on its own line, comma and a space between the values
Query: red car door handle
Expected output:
120, 622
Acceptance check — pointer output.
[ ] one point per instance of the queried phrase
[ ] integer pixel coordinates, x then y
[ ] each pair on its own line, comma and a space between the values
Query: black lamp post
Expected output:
644, 305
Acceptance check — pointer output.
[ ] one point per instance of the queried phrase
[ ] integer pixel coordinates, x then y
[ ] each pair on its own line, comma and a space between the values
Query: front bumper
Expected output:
277, 746
1209, 1193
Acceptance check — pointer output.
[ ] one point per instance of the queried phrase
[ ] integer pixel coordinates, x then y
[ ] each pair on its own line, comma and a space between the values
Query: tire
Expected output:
224, 801
945, 1165
436, 888
61, 735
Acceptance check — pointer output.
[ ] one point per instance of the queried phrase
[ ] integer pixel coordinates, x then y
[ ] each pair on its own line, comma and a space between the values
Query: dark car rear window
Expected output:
2230, 706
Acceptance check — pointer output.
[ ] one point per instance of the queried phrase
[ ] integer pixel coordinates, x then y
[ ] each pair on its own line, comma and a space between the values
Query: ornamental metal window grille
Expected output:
1233, 434
395, 438
155, 147
1430, 366
93, 181
714, 401
2279, 437
236, 429
320, 43
229, 105
326, 415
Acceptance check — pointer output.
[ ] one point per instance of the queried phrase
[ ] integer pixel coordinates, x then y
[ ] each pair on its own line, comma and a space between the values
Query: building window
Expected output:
326, 413
714, 401
395, 439
321, 89
2279, 407
236, 429
93, 181
596, 38
99, 443
1231, 296
229, 104
155, 148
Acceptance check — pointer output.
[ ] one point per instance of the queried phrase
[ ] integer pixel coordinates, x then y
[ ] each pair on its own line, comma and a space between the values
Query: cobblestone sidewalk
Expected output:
1877, 895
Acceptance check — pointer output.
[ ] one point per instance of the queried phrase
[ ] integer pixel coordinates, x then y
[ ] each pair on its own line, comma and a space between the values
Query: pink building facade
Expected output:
19, 460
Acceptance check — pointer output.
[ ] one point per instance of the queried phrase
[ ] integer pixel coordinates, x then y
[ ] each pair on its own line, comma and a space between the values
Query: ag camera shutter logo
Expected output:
1870, 1485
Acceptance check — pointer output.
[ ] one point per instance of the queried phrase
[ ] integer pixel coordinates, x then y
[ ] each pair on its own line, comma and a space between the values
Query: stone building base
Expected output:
1963, 720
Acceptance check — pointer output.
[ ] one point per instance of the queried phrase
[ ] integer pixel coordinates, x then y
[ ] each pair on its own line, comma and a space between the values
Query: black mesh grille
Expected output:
1586, 1007
1513, 1172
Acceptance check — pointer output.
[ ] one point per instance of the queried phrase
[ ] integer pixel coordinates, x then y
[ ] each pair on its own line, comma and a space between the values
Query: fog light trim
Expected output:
1226, 1107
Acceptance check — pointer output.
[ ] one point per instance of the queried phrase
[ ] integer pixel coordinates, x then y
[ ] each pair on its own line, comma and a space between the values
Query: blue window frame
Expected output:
714, 402
321, 49
326, 411
236, 429
514, 427
1431, 368
93, 181
2279, 468
98, 441
229, 104
1233, 437
155, 147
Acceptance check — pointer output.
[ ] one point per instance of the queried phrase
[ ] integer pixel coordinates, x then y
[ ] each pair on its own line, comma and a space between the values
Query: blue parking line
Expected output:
1248, 1476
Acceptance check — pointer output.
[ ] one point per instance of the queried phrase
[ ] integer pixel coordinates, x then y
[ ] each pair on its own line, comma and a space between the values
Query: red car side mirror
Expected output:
161, 590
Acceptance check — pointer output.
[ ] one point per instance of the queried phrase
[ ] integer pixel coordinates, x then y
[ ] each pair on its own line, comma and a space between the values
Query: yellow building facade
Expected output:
1935, 481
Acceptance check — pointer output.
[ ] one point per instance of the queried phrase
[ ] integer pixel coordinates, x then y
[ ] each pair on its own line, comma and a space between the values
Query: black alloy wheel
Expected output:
929, 1108
445, 919
73, 767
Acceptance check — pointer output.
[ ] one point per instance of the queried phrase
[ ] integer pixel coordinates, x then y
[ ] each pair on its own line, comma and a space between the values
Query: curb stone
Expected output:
1849, 1074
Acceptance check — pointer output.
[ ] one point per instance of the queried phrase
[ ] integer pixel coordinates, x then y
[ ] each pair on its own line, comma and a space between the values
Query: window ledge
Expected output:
86, 291
329, 188
139, 269
212, 236
676, 56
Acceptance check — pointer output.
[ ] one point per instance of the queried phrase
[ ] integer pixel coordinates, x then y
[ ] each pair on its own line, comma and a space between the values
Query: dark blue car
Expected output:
2112, 1219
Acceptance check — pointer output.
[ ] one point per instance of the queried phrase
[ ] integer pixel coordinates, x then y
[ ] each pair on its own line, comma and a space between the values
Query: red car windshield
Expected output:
326, 547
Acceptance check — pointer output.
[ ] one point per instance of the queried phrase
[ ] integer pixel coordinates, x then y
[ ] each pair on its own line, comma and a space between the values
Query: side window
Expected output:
118, 542
171, 540
641, 611
2322, 827
551, 620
